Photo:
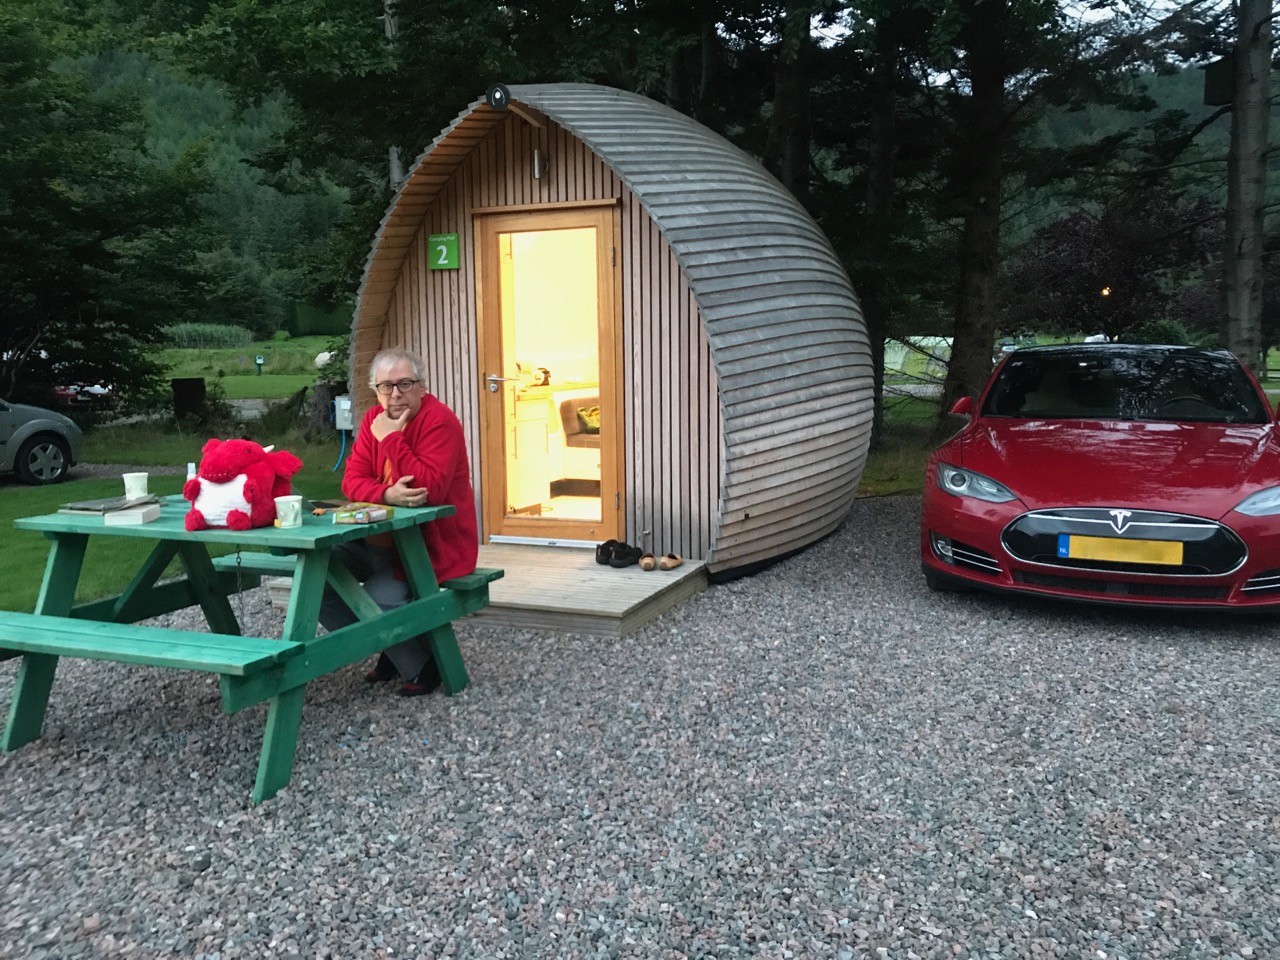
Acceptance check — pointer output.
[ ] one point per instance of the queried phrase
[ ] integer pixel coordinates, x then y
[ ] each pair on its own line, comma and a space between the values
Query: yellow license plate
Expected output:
1113, 548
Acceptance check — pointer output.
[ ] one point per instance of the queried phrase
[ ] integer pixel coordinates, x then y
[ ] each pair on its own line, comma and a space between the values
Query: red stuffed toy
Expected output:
237, 484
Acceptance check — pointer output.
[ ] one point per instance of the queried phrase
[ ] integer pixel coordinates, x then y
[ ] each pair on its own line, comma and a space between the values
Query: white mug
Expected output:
289, 510
135, 485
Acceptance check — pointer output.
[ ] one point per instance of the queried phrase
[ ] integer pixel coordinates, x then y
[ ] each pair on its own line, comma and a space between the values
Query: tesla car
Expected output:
39, 445
1114, 473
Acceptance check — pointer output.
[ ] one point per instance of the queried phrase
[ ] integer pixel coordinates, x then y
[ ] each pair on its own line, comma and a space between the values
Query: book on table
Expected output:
107, 504
143, 513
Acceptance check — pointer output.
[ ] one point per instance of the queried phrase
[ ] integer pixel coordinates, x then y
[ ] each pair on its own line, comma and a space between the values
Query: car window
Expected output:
1176, 386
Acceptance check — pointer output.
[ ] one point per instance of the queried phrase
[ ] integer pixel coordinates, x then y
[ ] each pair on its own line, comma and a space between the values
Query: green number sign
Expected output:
442, 251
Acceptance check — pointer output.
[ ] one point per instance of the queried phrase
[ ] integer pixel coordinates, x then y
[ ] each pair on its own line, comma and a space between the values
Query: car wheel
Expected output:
43, 459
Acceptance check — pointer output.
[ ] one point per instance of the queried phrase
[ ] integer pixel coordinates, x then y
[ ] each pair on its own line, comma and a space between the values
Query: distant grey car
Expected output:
39, 445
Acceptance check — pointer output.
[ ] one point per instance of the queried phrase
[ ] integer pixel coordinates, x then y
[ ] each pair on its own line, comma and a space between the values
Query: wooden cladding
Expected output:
671, 447
745, 366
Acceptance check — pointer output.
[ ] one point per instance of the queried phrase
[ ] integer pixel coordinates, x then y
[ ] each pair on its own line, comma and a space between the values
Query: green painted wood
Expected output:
479, 578
303, 615
160, 599
61, 574
125, 610
35, 675
444, 647
282, 565
279, 744
204, 581
128, 643
353, 593
315, 531
30, 700
272, 564
338, 577
416, 562
351, 644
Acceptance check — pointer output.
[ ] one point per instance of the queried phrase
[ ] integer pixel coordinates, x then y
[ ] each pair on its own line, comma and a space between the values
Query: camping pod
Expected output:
645, 336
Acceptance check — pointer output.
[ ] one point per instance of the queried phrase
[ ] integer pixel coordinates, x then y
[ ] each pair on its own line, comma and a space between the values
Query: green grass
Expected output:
896, 467
295, 357
111, 561
269, 386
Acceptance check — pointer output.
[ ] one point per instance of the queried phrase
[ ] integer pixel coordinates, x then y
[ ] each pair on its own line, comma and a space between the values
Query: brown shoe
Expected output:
670, 561
648, 562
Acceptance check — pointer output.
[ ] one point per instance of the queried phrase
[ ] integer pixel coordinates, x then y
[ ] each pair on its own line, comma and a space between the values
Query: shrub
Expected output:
206, 336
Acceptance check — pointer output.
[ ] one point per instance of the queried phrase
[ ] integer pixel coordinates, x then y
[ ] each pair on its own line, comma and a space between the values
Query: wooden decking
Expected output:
563, 589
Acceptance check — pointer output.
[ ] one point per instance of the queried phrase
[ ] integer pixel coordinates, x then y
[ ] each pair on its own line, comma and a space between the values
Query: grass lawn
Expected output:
111, 561
896, 467
269, 386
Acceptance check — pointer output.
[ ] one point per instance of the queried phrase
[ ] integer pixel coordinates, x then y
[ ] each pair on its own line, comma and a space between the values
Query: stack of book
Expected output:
117, 510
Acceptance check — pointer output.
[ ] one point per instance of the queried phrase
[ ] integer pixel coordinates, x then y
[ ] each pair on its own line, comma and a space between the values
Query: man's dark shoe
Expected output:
625, 555
604, 551
382, 671
426, 681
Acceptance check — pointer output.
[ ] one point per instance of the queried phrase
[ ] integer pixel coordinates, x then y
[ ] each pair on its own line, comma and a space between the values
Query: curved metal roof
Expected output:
786, 333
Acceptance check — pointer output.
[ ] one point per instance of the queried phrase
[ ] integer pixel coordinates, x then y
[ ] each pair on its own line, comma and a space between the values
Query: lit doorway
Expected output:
549, 406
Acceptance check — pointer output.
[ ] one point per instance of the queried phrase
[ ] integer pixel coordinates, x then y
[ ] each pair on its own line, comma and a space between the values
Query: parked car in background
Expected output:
39, 445
1115, 473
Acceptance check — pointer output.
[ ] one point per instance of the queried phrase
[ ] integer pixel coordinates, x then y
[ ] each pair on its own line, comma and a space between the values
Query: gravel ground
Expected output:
825, 760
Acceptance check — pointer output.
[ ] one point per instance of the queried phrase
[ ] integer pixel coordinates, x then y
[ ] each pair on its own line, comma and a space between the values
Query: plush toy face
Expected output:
237, 484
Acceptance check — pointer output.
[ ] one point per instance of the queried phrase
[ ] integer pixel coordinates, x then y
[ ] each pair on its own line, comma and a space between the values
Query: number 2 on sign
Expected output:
444, 251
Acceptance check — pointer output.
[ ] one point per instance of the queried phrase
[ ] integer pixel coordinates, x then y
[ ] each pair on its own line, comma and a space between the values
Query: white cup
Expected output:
289, 510
135, 485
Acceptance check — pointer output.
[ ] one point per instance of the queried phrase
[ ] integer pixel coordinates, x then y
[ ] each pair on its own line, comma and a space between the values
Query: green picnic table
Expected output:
251, 669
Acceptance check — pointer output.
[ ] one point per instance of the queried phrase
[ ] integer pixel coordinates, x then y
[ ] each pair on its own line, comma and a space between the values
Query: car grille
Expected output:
1268, 582
973, 558
1113, 588
1208, 547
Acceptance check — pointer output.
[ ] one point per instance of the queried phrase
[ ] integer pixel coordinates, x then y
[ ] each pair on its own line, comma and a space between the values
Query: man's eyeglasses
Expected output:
386, 386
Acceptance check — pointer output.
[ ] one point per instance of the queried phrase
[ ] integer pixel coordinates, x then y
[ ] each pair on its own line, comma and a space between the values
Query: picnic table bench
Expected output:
251, 669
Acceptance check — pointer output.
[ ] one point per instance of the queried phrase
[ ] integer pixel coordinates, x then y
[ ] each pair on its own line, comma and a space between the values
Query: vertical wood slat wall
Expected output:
672, 445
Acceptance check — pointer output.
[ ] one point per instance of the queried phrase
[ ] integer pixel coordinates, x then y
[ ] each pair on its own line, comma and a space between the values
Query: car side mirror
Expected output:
962, 407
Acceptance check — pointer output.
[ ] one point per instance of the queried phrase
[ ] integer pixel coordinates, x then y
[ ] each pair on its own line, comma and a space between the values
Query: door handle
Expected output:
493, 380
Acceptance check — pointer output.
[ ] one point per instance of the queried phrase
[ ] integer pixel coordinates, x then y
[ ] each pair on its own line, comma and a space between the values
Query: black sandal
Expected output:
604, 551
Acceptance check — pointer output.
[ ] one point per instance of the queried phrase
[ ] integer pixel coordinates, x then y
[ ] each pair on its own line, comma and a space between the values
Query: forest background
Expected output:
983, 168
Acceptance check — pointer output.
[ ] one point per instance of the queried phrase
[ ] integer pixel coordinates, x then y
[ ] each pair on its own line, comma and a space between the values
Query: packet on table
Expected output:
362, 513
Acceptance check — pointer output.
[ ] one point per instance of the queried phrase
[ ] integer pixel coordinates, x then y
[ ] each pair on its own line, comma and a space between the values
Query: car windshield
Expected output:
1181, 386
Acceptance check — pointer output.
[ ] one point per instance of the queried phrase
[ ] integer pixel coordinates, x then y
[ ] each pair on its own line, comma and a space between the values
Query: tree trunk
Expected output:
1246, 183
982, 146
879, 210
786, 152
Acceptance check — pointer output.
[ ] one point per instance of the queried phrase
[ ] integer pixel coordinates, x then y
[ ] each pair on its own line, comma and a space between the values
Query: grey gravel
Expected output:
824, 760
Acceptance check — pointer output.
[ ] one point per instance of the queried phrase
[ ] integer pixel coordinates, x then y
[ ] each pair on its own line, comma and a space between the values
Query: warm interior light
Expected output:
1106, 291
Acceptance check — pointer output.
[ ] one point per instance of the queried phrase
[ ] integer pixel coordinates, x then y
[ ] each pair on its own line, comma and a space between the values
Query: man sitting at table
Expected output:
409, 452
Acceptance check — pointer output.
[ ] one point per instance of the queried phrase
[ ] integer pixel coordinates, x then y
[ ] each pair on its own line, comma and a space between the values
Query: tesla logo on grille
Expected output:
1120, 519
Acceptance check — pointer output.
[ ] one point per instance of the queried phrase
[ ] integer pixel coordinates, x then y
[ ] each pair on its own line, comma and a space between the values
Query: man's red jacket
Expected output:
433, 450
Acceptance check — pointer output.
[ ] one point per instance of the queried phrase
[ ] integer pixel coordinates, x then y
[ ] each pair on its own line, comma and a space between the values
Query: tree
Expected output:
1246, 182
98, 245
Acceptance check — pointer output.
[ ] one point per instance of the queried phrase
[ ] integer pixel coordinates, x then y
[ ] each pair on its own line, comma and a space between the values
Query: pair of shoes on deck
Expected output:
616, 554
426, 681
667, 562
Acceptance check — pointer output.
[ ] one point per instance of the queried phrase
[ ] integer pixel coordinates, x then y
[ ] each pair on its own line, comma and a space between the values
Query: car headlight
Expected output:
1264, 503
966, 483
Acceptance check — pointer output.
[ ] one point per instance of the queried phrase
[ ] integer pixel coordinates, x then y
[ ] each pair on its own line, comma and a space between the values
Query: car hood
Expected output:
26, 412
1203, 469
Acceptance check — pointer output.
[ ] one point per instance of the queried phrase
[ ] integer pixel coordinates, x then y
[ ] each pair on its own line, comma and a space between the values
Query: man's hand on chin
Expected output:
384, 424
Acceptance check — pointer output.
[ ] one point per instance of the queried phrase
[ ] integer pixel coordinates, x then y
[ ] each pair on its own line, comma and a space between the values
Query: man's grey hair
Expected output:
389, 358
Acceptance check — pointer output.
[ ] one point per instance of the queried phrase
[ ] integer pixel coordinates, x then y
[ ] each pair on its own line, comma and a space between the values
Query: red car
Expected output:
1113, 473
